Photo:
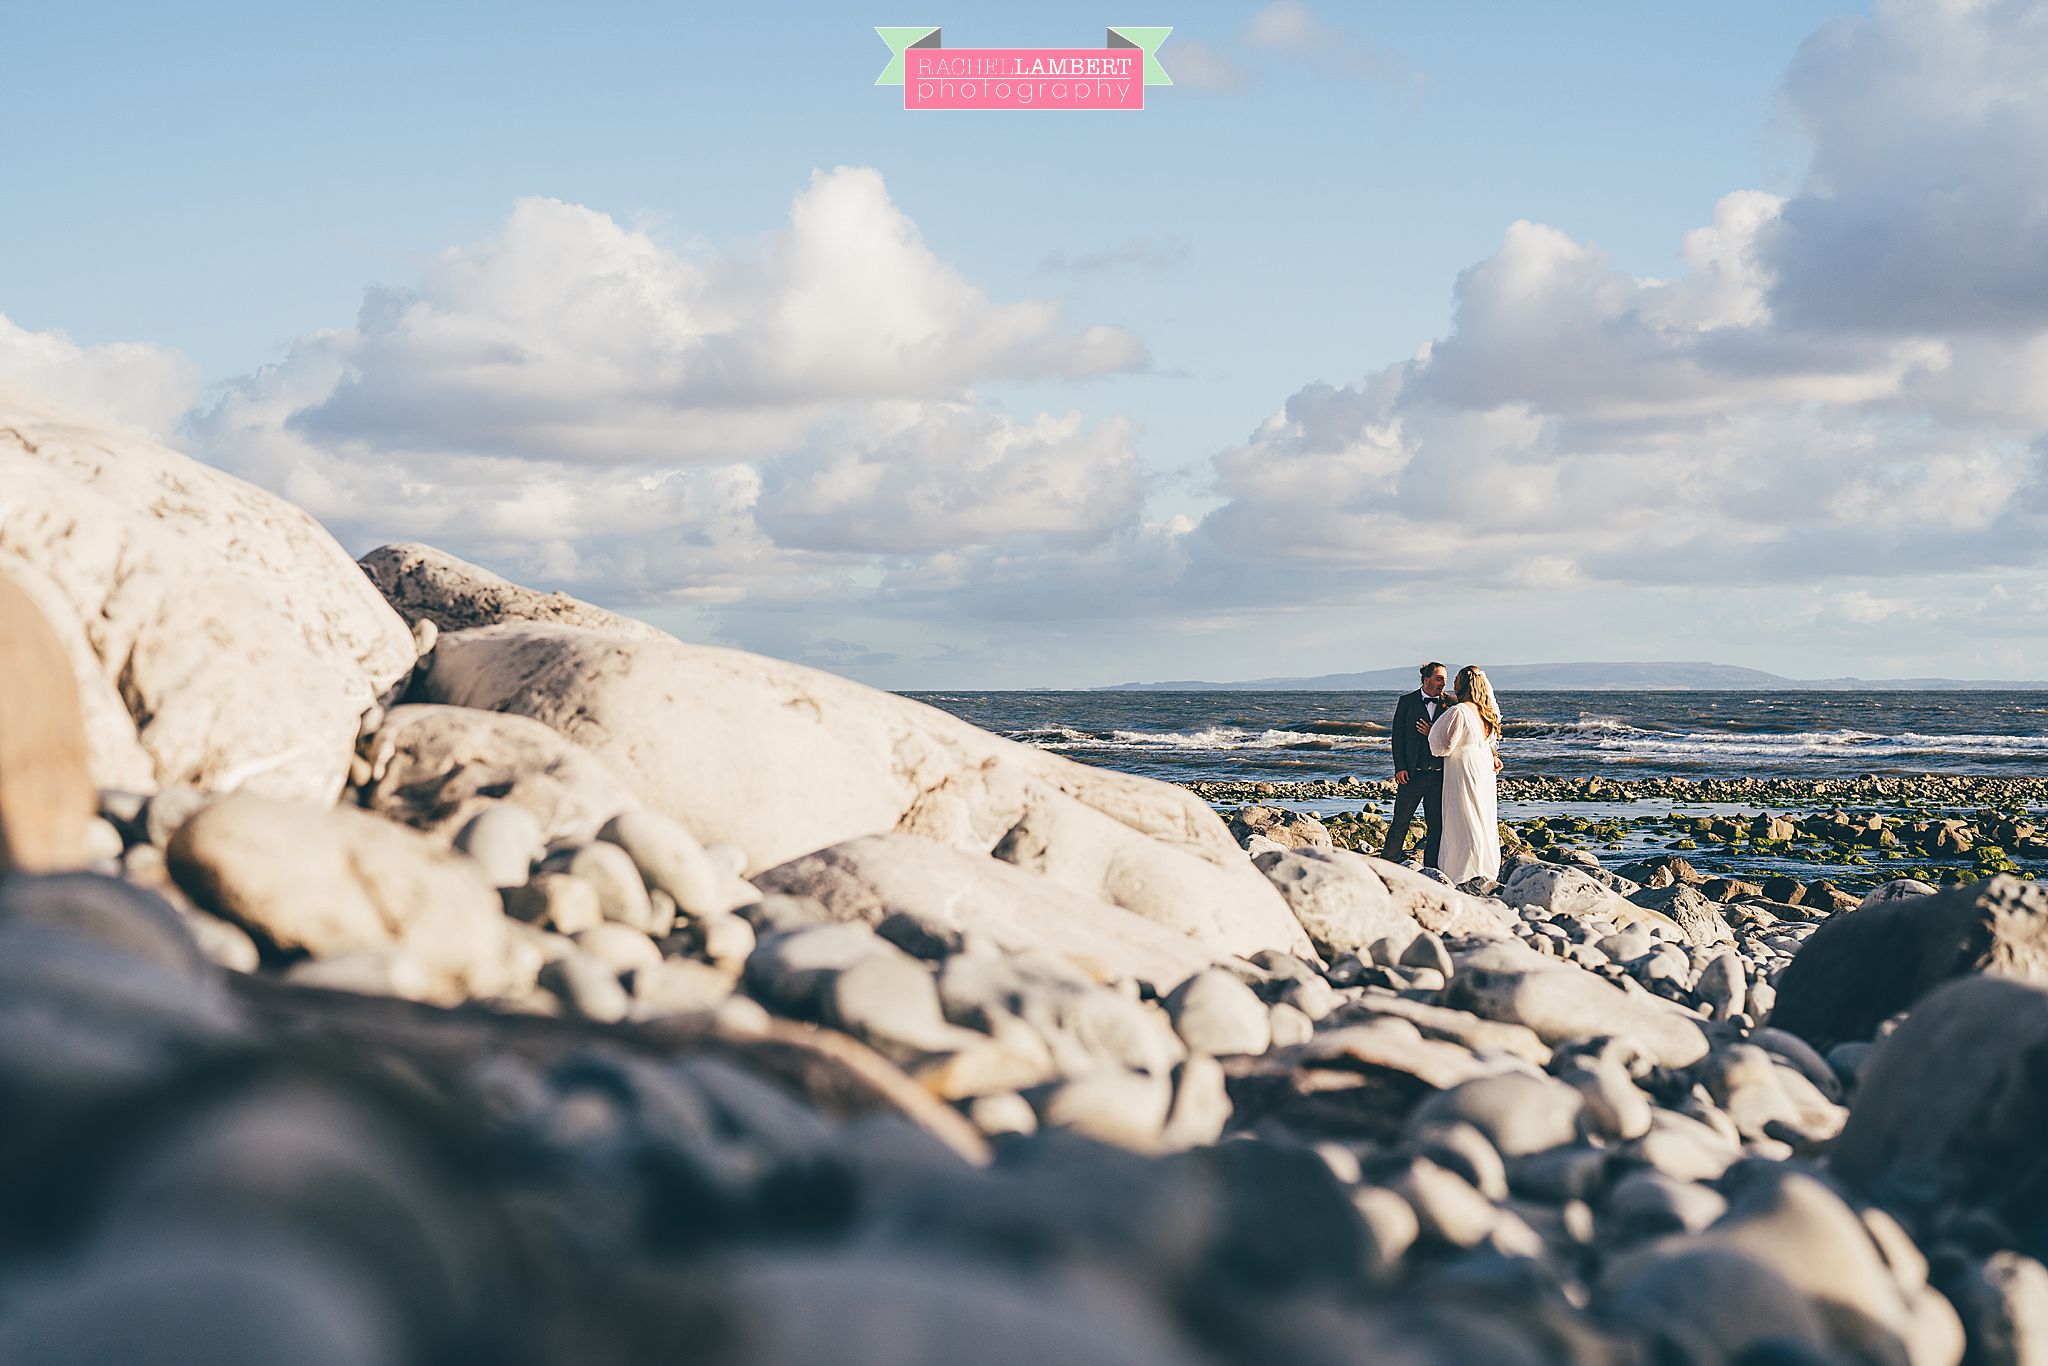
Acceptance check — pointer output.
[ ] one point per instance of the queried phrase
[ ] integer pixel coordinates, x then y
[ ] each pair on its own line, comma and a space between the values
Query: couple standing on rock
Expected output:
1446, 753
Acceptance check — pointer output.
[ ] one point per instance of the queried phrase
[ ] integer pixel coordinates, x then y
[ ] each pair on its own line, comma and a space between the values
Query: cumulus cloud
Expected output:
1845, 384
576, 402
1922, 212
135, 384
573, 337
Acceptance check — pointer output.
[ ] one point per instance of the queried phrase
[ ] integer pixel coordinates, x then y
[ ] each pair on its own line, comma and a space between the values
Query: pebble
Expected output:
367, 972
2004, 1304
1201, 1103
725, 941
1290, 1026
621, 893
1391, 1229
1461, 1148
506, 840
1215, 1013
677, 986
557, 902
1447, 1207
1648, 1204
587, 987
670, 860
1001, 1113
1125, 1108
1519, 1114
1614, 1106
892, 1003
619, 948
1427, 950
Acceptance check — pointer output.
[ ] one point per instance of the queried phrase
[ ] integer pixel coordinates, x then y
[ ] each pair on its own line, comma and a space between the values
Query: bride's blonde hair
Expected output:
1472, 687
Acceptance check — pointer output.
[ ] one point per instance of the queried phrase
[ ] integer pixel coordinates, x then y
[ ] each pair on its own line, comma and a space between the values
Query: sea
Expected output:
1302, 736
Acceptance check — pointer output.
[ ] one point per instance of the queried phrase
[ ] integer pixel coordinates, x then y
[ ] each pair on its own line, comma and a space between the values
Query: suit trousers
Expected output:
1427, 791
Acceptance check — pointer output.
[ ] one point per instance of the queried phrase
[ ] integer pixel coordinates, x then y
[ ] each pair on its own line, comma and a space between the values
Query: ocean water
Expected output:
1299, 736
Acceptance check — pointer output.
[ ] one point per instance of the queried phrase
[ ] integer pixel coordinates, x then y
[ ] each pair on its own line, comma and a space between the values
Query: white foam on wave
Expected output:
1209, 738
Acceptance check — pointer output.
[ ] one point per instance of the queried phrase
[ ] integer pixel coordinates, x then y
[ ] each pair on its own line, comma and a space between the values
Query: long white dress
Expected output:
1471, 839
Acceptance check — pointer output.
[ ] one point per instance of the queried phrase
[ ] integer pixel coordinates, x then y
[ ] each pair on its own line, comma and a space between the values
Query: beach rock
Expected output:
436, 768
425, 584
1519, 1114
1699, 920
237, 637
619, 947
1857, 970
2004, 1306
1069, 843
710, 737
1338, 897
1287, 829
1898, 889
555, 901
621, 892
1950, 1105
1721, 985
328, 881
951, 892
1201, 1103
1795, 1225
678, 986
1561, 1003
366, 972
1702, 1304
816, 1309
505, 840
890, 1002
1127, 1109
589, 988
1216, 1014
670, 860
1566, 891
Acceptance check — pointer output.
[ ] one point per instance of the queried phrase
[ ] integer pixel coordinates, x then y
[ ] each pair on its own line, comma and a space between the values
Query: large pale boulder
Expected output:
425, 584
1862, 966
950, 891
1347, 901
1564, 890
330, 881
241, 643
780, 760
435, 767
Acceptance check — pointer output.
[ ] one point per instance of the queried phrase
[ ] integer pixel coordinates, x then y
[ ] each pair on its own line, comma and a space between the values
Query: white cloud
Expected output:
1848, 383
132, 383
1290, 26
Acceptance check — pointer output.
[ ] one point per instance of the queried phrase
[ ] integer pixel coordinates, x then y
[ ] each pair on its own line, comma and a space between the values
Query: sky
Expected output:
1488, 331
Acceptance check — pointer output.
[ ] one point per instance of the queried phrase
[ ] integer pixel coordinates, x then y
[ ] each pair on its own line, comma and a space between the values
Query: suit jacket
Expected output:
1411, 748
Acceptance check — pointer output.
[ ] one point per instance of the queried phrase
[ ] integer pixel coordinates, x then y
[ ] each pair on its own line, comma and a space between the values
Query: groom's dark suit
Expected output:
1425, 785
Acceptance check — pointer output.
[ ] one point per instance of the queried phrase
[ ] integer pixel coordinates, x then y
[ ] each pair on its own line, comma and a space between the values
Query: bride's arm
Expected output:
1448, 732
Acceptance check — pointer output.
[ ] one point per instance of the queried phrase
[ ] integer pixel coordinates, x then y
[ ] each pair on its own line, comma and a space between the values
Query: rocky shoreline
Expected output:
1924, 789
399, 965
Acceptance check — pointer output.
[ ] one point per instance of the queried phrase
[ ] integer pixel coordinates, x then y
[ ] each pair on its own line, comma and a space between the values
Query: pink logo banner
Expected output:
1023, 78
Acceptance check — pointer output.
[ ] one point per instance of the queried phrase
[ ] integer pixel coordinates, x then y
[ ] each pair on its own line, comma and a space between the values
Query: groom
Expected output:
1418, 774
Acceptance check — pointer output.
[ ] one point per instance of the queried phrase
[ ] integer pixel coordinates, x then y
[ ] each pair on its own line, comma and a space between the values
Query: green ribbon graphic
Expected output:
1147, 40
898, 39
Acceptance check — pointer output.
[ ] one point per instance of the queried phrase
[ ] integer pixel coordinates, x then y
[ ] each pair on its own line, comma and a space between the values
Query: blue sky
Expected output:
1300, 208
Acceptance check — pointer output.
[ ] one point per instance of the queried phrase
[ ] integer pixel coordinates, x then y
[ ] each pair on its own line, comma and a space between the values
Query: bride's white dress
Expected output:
1471, 839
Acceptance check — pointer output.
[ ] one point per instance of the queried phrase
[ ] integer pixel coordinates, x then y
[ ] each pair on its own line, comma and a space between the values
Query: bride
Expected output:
1467, 738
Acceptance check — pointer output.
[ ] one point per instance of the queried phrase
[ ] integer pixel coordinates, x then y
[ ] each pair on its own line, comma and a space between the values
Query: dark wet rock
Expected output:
1858, 969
